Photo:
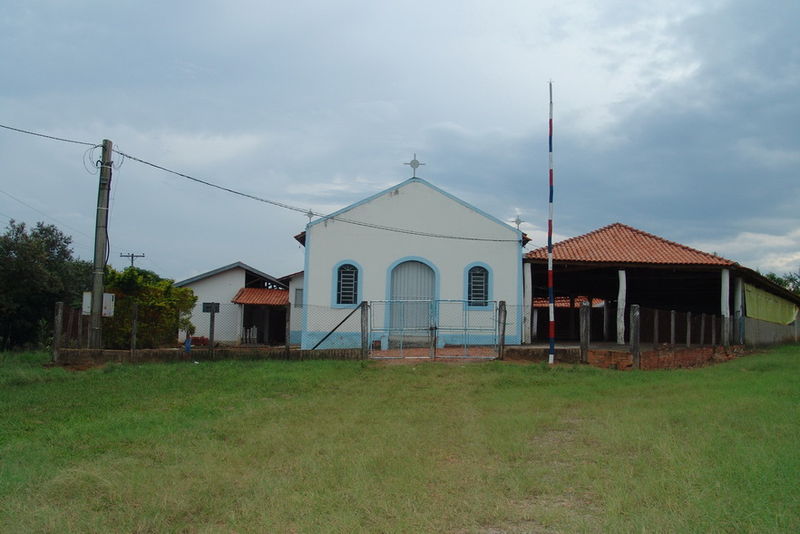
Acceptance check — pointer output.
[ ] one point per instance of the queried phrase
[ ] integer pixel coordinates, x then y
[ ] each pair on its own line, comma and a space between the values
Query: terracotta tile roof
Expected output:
563, 302
619, 243
258, 295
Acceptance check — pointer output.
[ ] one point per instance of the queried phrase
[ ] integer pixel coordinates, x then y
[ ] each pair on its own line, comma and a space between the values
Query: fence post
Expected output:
655, 329
288, 328
57, 322
726, 331
635, 324
688, 329
672, 315
68, 333
501, 314
702, 329
585, 333
80, 329
364, 329
432, 332
713, 330
134, 326
211, 332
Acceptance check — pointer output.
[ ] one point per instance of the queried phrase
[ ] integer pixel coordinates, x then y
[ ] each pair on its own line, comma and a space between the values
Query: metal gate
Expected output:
415, 328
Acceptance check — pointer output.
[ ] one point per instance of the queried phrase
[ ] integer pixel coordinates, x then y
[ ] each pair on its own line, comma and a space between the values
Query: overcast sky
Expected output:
681, 118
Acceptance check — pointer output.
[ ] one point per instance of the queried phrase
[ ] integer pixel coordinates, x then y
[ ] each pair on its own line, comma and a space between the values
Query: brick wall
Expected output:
664, 357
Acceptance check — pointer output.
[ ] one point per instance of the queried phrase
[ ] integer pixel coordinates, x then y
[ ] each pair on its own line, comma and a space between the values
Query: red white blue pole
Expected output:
550, 293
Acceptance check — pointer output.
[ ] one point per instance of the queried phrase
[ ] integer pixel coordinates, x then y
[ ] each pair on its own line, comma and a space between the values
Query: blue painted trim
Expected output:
422, 182
436, 281
335, 284
306, 278
489, 282
520, 299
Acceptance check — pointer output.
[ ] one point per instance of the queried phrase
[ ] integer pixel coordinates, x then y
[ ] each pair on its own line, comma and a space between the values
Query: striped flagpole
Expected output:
550, 293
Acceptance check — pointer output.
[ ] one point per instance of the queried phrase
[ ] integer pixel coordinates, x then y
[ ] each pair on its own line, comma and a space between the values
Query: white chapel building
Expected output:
420, 256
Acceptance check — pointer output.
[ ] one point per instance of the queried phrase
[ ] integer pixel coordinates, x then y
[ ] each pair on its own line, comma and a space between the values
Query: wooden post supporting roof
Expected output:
725, 310
527, 301
621, 308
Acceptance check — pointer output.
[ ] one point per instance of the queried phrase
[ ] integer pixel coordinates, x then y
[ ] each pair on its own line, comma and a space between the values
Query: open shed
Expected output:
717, 298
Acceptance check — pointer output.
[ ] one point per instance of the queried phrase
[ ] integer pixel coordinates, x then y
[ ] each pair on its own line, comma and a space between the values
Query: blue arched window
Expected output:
478, 286
347, 284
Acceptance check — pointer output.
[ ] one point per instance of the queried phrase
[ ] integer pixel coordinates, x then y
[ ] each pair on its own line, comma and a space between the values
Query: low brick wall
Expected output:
88, 357
664, 357
541, 354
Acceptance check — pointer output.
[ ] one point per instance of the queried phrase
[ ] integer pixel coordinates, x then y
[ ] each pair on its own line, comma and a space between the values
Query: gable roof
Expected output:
301, 237
235, 265
262, 296
286, 279
620, 243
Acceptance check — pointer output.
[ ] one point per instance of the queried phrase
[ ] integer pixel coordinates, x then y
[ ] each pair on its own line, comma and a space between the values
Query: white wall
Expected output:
221, 287
414, 206
296, 317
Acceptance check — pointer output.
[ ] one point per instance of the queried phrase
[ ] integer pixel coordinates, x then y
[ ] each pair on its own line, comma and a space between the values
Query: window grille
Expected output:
347, 287
478, 287
298, 298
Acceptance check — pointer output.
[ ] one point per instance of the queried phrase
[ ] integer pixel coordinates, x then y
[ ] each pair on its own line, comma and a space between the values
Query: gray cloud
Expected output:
676, 117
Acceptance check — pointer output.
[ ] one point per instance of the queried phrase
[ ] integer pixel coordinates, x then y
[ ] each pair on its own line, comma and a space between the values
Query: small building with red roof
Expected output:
252, 305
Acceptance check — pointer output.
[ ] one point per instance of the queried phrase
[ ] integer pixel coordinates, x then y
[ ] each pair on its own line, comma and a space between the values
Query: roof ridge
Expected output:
571, 239
567, 243
675, 243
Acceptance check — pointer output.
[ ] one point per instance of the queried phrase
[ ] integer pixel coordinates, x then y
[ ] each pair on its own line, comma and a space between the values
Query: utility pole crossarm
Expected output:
131, 255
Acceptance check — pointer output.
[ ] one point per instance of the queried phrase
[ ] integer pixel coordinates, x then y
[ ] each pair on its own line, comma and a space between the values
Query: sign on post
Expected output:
211, 307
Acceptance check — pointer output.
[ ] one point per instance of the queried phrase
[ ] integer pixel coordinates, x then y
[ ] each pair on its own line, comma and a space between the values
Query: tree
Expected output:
790, 281
163, 309
37, 269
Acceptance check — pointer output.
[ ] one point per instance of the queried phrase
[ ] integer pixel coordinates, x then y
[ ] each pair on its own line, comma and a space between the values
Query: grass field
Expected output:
364, 447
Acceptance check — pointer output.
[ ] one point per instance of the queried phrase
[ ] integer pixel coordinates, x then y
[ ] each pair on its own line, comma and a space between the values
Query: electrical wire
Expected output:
43, 213
310, 212
283, 205
88, 157
63, 139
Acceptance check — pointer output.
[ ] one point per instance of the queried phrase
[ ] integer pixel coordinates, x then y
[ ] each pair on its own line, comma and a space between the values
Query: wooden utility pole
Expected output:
100, 248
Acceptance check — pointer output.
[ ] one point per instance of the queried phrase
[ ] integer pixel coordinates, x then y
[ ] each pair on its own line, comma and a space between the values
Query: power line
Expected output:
311, 212
44, 214
63, 139
264, 200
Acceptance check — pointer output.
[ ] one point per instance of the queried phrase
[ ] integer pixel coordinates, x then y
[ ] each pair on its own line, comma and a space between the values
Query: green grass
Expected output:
362, 447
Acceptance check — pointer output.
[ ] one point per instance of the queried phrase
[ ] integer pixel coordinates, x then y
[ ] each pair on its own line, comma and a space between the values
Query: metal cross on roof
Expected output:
414, 164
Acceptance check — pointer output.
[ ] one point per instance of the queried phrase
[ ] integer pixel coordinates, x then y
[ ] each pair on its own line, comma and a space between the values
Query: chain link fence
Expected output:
326, 327
435, 328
